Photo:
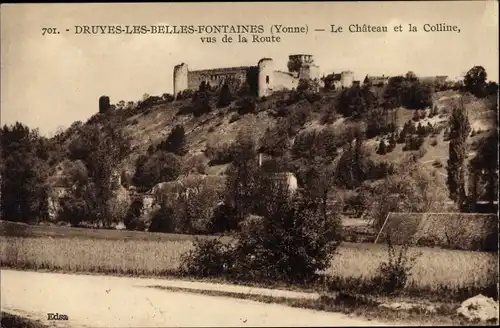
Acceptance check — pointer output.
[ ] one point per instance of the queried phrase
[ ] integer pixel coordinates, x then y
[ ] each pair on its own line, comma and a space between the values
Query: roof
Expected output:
437, 78
221, 70
334, 77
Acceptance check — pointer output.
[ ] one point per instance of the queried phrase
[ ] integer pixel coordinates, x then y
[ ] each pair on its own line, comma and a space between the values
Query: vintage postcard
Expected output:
249, 164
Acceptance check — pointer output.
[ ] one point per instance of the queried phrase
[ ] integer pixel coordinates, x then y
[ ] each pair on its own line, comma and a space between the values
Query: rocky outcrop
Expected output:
479, 308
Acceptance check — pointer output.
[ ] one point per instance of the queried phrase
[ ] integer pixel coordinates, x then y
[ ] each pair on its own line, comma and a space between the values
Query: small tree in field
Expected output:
459, 131
475, 81
175, 142
225, 96
393, 274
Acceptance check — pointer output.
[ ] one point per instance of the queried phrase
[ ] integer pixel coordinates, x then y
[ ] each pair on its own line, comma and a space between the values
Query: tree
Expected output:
381, 150
475, 81
160, 167
23, 171
275, 141
201, 100
351, 102
225, 96
393, 92
241, 175
292, 242
413, 190
459, 131
416, 95
175, 142
483, 170
132, 218
110, 149
352, 166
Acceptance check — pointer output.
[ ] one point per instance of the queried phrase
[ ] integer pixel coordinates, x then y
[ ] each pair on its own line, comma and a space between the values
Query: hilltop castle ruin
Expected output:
263, 78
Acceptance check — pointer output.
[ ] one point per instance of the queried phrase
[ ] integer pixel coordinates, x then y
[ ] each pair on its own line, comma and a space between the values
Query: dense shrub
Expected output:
132, 220
163, 220
311, 143
246, 105
297, 117
275, 141
175, 142
393, 274
208, 258
292, 242
225, 96
220, 153
234, 117
159, 167
413, 142
224, 219
289, 240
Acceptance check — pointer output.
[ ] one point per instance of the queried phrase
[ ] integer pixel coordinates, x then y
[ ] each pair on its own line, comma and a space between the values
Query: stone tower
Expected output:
104, 104
347, 79
302, 65
180, 78
266, 71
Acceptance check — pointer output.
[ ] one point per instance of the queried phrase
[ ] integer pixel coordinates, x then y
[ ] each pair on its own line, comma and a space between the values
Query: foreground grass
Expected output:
13, 321
459, 274
357, 306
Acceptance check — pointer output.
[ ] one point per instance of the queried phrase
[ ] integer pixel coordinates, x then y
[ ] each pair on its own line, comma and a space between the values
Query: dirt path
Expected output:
104, 301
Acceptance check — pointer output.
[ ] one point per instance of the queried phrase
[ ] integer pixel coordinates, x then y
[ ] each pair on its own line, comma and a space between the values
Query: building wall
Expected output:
283, 80
314, 72
267, 78
217, 77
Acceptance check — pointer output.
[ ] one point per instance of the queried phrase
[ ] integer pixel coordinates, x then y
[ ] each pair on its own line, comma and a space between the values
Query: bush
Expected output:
287, 241
73, 211
413, 142
225, 96
163, 220
194, 164
201, 103
208, 258
219, 153
175, 142
246, 105
434, 142
160, 167
382, 148
275, 141
132, 219
224, 219
393, 274
235, 117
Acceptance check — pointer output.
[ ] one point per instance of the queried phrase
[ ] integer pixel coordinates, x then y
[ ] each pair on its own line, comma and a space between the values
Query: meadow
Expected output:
436, 270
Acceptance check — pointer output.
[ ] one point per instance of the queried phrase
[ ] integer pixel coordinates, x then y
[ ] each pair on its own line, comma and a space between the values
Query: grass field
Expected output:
436, 270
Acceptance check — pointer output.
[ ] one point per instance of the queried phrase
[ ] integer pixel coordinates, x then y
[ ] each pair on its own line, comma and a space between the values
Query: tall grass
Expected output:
435, 271
92, 255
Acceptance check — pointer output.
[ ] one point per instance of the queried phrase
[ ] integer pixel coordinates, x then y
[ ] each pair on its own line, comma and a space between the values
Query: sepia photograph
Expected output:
250, 164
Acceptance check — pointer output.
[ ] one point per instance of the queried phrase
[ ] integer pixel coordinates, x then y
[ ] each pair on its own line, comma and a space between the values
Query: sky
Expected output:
50, 81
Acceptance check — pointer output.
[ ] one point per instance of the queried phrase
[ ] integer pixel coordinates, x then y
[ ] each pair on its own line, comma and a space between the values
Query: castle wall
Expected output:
314, 72
262, 79
217, 77
283, 80
307, 72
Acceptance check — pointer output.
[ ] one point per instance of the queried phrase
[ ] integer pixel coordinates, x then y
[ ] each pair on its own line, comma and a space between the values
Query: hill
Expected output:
371, 139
